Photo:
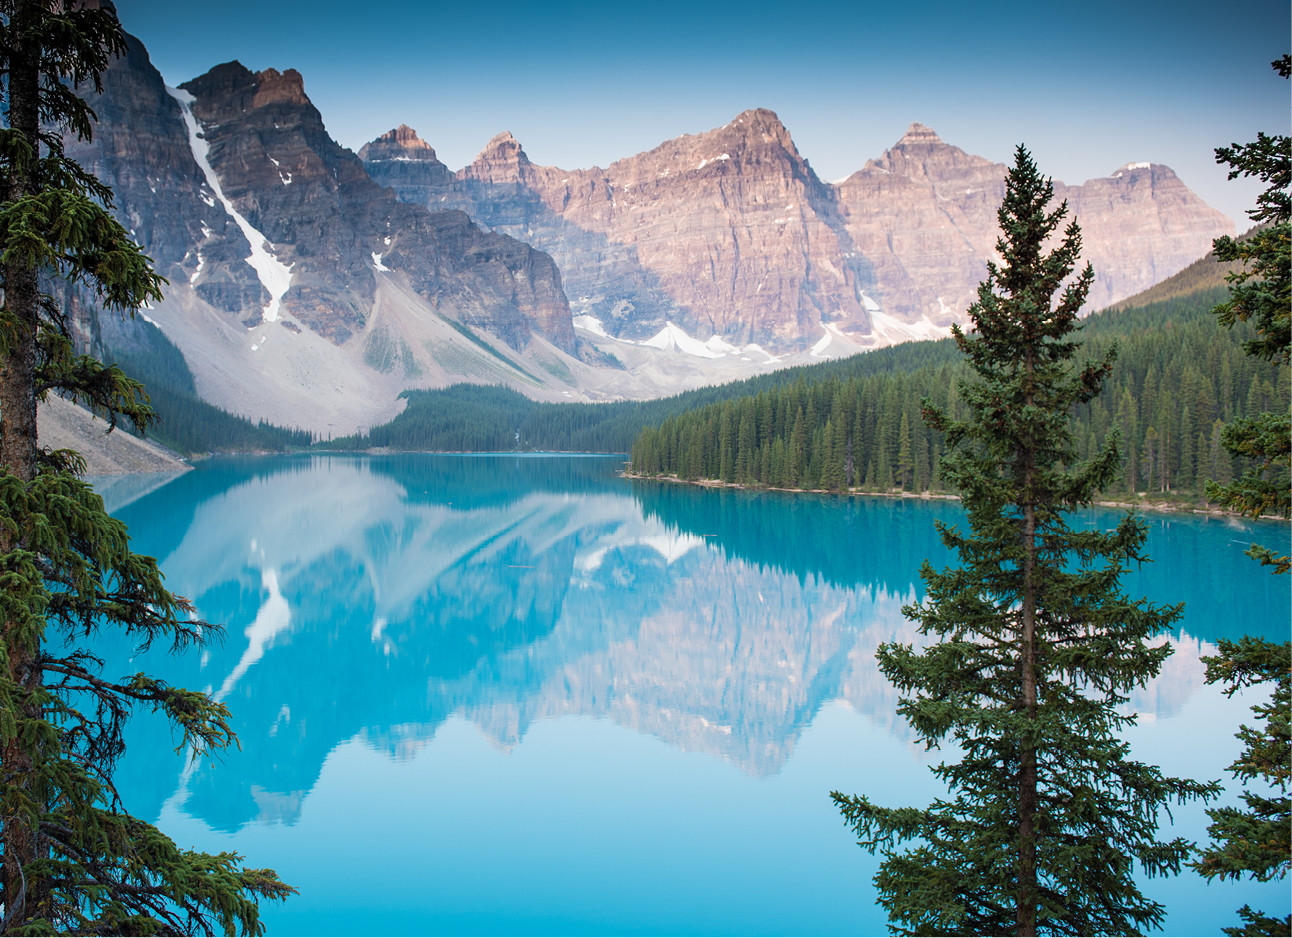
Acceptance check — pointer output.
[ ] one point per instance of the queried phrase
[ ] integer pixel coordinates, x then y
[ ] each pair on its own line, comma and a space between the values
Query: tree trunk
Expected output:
1027, 889
18, 456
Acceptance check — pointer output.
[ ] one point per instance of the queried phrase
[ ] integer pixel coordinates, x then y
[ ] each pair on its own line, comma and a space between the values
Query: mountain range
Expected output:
310, 285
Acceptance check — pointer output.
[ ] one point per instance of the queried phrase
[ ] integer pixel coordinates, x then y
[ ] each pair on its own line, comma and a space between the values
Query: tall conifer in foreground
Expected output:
1261, 294
1036, 646
73, 859
1256, 840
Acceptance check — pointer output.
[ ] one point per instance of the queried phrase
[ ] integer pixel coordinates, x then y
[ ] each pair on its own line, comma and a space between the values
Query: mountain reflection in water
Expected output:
376, 599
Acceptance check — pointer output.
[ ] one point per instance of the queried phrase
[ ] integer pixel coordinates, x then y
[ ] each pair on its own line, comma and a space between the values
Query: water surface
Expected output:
521, 695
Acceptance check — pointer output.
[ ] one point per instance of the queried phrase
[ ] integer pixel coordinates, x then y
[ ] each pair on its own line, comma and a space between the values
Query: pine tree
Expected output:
1036, 647
905, 462
1261, 294
1257, 841
74, 859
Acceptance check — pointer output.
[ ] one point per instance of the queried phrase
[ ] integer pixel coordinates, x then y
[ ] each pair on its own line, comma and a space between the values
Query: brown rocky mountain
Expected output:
726, 233
300, 290
730, 233
924, 214
304, 291
327, 221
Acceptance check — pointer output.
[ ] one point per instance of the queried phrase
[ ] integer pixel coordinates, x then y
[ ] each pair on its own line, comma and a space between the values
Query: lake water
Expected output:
501, 694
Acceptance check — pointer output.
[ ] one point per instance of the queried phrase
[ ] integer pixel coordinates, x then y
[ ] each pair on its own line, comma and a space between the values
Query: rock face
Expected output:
925, 214
333, 227
141, 150
1140, 225
300, 290
726, 233
731, 233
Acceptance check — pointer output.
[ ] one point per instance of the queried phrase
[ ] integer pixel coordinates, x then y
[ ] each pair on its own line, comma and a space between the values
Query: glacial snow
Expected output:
275, 276
889, 330
672, 336
822, 343
591, 324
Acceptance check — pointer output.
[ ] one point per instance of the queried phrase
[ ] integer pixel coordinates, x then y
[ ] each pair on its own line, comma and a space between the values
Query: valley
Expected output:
309, 286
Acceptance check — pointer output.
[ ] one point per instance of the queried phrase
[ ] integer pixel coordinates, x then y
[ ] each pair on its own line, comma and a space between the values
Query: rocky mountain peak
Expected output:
231, 83
921, 154
1157, 169
402, 143
501, 161
505, 145
919, 135
760, 123
274, 87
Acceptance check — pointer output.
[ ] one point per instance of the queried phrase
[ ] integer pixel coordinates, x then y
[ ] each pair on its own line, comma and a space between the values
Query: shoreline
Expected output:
1141, 506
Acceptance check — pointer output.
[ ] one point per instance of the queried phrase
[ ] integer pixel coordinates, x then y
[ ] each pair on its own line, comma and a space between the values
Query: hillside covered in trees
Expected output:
845, 424
1177, 378
185, 422
481, 418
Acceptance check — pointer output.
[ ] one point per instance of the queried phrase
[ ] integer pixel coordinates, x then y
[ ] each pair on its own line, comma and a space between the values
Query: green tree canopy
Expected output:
73, 858
1036, 647
1261, 294
1256, 841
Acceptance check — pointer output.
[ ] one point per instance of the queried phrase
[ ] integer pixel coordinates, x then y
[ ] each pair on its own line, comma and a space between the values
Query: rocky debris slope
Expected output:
301, 291
64, 425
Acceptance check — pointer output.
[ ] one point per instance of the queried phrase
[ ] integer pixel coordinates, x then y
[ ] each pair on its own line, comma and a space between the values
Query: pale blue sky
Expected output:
1087, 87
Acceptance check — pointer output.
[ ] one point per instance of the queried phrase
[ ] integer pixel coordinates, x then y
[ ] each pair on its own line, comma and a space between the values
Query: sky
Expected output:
1087, 86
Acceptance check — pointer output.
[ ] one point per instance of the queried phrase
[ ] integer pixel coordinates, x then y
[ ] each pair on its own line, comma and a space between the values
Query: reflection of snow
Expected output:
274, 616
669, 545
1180, 679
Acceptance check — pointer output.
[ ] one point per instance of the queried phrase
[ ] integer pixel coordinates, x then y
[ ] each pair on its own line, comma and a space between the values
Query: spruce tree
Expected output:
73, 858
1256, 840
1034, 645
1261, 294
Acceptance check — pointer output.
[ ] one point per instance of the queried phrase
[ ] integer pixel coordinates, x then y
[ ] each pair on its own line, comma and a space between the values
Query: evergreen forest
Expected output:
845, 424
182, 420
1175, 381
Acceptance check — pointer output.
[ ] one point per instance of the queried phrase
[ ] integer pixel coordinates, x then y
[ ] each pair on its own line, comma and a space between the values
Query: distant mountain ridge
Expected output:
310, 286
730, 233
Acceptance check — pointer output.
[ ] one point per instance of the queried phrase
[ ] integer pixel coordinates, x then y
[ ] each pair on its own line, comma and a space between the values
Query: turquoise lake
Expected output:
521, 695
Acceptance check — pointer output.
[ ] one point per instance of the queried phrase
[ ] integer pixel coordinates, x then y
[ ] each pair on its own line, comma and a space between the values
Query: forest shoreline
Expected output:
1143, 506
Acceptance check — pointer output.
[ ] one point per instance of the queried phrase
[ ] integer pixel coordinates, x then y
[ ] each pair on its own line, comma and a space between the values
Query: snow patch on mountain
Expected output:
591, 324
674, 337
822, 343
275, 276
888, 330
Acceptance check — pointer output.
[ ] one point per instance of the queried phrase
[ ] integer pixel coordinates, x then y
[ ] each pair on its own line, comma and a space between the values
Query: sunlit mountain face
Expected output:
538, 630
